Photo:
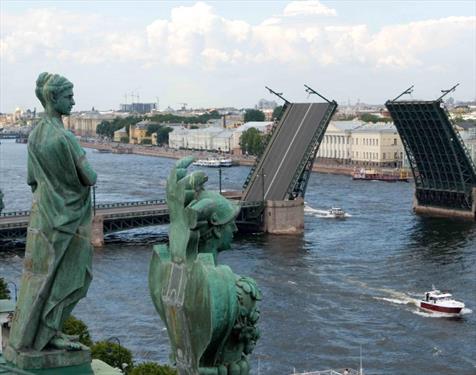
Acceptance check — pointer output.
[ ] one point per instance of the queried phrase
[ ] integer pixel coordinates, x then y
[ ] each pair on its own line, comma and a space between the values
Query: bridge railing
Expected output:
21, 213
15, 213
131, 204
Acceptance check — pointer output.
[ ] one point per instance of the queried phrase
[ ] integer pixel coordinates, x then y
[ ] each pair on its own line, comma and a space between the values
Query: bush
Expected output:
151, 368
113, 354
4, 291
73, 326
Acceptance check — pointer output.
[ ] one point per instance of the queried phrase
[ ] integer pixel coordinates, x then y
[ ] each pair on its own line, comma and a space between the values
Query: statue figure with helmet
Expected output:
210, 313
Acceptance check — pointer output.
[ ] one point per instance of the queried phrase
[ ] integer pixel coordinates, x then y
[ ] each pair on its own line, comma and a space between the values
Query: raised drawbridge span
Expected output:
445, 175
282, 172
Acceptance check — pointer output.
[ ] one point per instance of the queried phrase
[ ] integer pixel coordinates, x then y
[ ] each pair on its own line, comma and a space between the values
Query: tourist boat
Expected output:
214, 162
336, 212
342, 371
437, 301
373, 175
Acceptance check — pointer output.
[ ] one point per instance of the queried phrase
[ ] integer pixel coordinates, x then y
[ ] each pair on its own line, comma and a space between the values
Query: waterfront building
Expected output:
85, 123
377, 145
336, 142
213, 138
138, 132
357, 142
120, 135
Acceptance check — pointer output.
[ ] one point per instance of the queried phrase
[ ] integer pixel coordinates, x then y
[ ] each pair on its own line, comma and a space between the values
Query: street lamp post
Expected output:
94, 199
219, 179
262, 182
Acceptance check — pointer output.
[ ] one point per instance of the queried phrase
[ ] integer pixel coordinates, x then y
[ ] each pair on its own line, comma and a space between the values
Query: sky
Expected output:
224, 53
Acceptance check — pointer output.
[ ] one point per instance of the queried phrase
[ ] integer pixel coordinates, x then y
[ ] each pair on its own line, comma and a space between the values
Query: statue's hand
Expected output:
182, 187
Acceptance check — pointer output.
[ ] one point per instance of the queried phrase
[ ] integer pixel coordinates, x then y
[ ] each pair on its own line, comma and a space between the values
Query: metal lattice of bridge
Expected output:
444, 173
282, 172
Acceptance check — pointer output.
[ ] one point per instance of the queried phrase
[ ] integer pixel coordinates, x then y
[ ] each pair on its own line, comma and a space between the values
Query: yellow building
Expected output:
138, 132
357, 142
377, 144
120, 135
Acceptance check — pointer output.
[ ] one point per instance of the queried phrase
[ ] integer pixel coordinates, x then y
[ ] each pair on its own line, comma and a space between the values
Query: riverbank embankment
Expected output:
177, 154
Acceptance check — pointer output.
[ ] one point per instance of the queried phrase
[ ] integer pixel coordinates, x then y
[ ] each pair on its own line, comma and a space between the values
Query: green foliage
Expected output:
151, 368
194, 127
146, 141
113, 354
252, 141
74, 326
170, 118
107, 128
4, 291
124, 139
152, 128
163, 135
278, 112
254, 115
367, 117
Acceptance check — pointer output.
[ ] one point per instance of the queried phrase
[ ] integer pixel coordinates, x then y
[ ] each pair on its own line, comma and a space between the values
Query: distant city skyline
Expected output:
219, 54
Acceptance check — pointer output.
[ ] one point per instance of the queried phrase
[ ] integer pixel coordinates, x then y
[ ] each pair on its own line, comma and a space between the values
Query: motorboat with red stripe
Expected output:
438, 301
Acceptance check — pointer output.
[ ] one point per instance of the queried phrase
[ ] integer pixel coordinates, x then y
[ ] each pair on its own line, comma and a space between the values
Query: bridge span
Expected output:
109, 218
444, 174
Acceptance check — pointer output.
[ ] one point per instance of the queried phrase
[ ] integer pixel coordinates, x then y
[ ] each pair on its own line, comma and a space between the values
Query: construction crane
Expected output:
184, 106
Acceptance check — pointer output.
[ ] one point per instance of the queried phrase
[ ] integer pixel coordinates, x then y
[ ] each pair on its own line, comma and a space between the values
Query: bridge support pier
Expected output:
284, 217
445, 212
97, 231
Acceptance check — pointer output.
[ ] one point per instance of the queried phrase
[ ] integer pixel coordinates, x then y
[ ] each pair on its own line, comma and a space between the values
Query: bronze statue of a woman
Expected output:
58, 257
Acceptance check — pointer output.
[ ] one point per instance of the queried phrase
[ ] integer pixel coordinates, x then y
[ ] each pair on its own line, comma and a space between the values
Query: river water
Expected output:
341, 285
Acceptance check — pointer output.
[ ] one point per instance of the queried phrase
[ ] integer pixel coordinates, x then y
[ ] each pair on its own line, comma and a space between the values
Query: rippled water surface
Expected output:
343, 284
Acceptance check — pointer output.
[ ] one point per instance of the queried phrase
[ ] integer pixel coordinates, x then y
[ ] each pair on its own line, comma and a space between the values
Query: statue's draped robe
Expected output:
58, 257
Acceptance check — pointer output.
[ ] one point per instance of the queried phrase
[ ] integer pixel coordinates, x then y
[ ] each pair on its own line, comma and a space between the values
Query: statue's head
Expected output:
55, 92
215, 219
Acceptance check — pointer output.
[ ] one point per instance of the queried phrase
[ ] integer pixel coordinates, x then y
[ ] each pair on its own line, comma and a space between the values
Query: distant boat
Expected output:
437, 301
336, 212
214, 162
104, 150
373, 175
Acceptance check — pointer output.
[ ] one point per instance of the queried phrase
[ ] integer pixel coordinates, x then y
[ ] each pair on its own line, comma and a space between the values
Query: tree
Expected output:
4, 291
73, 326
278, 112
254, 115
252, 141
152, 128
367, 117
151, 368
163, 135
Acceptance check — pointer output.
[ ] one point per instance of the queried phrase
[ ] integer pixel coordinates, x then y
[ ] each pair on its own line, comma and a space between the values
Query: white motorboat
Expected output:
214, 162
336, 212
438, 301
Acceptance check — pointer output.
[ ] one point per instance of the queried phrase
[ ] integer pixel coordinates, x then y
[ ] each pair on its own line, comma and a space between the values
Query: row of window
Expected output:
339, 139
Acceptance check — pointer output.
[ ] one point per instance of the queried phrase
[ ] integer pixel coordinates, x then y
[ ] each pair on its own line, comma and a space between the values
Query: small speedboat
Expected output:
438, 301
336, 212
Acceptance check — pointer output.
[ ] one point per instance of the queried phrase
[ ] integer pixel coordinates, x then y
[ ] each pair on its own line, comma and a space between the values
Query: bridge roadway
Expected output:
115, 216
292, 145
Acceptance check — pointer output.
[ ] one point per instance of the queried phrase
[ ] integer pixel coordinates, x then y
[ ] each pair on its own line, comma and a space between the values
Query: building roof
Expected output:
121, 130
260, 125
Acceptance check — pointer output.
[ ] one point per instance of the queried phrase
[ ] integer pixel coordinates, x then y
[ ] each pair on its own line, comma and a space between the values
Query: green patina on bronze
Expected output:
210, 312
58, 257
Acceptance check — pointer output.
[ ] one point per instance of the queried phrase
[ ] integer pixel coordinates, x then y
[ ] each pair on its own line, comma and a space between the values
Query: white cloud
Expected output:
197, 36
308, 8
